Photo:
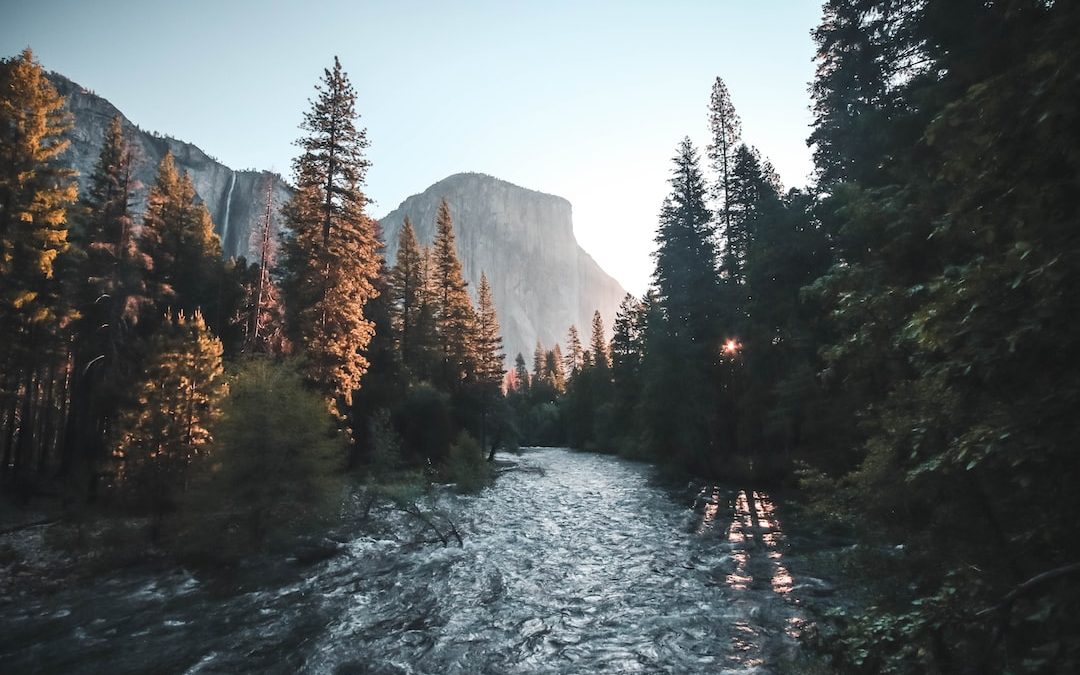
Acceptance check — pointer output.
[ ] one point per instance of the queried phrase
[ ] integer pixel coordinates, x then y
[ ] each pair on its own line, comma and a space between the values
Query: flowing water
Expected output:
228, 210
572, 563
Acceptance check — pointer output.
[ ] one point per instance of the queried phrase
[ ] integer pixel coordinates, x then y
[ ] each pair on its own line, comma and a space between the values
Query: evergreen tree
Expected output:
384, 382
407, 290
553, 369
181, 252
489, 355
35, 192
489, 359
574, 352
176, 404
598, 343
725, 131
685, 341
685, 275
265, 320
750, 194
331, 258
521, 375
272, 473
455, 319
110, 291
945, 141
538, 362
627, 351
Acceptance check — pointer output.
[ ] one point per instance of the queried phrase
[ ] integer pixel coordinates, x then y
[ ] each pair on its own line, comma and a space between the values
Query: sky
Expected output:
586, 100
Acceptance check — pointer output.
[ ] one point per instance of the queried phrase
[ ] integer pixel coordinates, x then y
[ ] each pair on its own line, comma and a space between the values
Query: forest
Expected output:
895, 344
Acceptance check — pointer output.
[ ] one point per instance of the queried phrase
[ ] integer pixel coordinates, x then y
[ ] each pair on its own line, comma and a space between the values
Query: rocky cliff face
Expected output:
236, 199
542, 281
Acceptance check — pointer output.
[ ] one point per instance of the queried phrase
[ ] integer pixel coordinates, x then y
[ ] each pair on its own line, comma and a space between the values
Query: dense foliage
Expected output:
901, 337
146, 375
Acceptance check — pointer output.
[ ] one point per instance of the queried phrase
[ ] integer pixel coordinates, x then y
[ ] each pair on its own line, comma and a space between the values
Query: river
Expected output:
571, 563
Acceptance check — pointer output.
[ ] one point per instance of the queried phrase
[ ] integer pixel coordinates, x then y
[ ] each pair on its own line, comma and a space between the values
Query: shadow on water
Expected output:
574, 563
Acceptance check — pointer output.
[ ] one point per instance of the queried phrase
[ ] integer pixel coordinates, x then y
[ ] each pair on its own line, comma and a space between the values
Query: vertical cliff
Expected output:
543, 281
236, 199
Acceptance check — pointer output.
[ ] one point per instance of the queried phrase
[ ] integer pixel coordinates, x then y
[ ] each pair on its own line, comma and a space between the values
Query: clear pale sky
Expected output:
586, 100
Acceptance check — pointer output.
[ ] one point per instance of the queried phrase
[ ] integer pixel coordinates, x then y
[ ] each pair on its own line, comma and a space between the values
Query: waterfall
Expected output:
225, 224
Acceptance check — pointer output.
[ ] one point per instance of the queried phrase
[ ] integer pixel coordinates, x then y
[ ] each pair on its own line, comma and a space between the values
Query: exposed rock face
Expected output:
236, 199
542, 281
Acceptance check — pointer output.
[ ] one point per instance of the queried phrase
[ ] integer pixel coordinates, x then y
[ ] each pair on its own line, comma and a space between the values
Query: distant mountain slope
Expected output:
236, 199
543, 281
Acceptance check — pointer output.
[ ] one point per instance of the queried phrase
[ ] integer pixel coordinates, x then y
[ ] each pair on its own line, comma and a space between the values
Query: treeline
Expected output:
713, 370
143, 371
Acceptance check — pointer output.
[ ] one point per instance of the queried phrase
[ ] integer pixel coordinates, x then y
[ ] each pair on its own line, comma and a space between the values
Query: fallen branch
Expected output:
1003, 608
414, 510
1030, 586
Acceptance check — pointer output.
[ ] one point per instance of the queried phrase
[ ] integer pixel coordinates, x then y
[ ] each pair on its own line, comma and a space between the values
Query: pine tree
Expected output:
455, 318
627, 352
265, 320
489, 355
35, 192
685, 341
752, 193
573, 352
384, 382
725, 129
169, 427
275, 465
407, 281
685, 275
110, 291
538, 362
331, 258
521, 375
553, 369
181, 251
598, 343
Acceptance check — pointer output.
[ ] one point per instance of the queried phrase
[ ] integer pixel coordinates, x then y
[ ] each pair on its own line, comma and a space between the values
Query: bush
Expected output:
425, 423
385, 445
276, 467
467, 466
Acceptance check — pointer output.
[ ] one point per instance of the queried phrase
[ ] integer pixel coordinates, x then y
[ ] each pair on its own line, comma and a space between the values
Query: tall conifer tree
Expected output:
683, 345
725, 130
331, 258
455, 318
407, 281
181, 251
489, 354
598, 344
521, 374
573, 352
110, 289
36, 189
178, 400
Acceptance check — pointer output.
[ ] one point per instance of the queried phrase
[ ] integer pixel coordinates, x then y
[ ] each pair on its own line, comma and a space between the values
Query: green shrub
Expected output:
424, 422
276, 468
467, 467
